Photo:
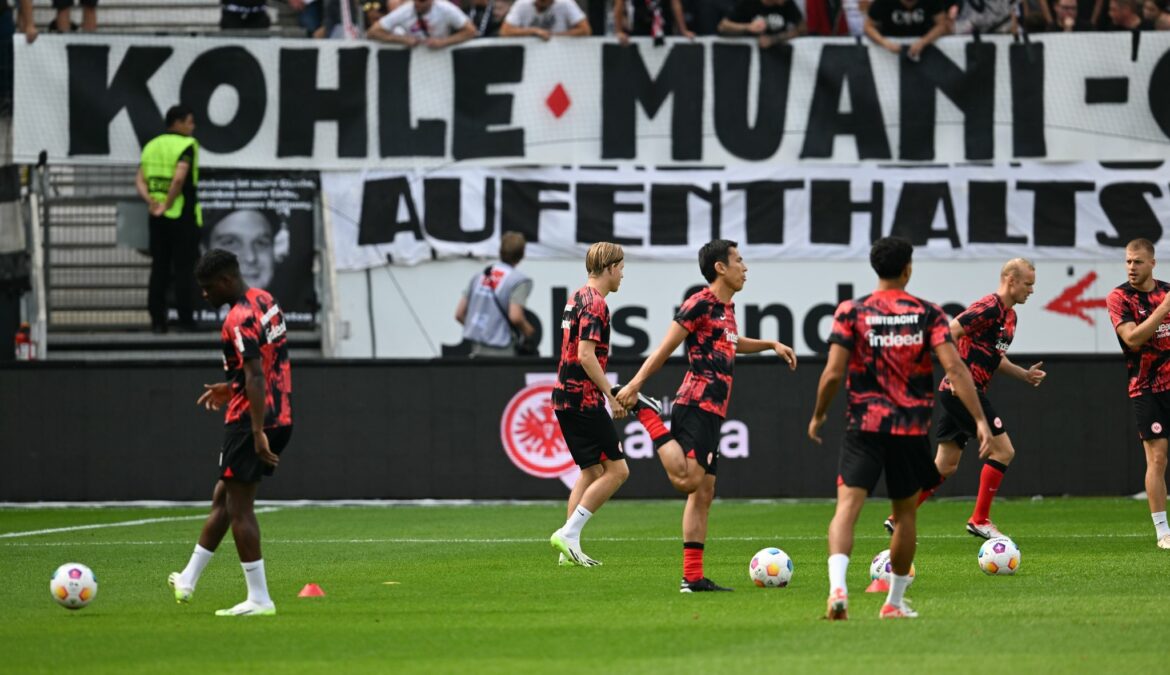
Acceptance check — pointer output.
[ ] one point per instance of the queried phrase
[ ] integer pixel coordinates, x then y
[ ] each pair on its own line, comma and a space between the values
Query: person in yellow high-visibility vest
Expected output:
167, 179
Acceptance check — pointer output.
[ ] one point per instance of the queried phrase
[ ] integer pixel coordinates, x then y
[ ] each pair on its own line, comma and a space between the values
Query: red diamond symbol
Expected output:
558, 101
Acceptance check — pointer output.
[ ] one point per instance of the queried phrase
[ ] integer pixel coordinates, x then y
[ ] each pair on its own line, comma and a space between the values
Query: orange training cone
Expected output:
311, 591
878, 586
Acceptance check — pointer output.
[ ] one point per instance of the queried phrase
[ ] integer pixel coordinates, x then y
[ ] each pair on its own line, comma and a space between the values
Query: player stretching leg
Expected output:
1138, 309
881, 345
579, 398
983, 333
258, 423
690, 450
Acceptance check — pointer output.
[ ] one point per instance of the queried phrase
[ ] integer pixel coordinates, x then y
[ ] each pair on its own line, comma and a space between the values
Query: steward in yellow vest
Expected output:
167, 179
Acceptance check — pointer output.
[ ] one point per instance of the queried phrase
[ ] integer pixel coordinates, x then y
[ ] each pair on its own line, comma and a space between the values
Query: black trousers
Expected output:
174, 248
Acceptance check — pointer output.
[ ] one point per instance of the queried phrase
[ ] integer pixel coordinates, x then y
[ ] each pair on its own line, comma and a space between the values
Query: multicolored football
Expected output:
770, 568
999, 556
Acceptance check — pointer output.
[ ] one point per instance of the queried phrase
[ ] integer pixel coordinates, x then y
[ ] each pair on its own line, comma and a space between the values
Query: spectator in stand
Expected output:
704, 16
1127, 15
333, 19
1035, 16
308, 15
923, 19
487, 16
774, 21
649, 19
435, 23
8, 27
374, 10
544, 19
986, 16
1153, 13
244, 15
64, 21
1067, 17
835, 17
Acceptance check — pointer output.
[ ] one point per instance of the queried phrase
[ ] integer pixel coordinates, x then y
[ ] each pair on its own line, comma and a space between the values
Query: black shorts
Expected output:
238, 459
957, 425
590, 436
1153, 414
66, 4
907, 461
698, 432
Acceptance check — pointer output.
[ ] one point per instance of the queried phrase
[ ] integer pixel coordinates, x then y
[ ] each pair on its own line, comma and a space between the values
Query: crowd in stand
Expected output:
438, 23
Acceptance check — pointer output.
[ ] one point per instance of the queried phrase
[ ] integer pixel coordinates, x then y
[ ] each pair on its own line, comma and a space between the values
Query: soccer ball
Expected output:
770, 568
880, 568
999, 555
73, 586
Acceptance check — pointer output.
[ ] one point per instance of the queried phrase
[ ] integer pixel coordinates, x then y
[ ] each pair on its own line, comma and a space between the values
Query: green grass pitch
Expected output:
476, 589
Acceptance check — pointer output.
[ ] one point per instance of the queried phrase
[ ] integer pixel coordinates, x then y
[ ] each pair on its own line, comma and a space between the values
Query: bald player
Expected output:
983, 334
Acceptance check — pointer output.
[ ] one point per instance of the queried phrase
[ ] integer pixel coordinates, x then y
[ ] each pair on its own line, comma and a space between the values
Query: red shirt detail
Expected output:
254, 329
990, 327
586, 317
890, 335
710, 343
1149, 366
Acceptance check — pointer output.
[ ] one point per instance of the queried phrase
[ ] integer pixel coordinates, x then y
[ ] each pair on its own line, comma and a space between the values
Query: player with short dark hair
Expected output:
689, 451
579, 398
882, 343
258, 425
983, 332
1138, 309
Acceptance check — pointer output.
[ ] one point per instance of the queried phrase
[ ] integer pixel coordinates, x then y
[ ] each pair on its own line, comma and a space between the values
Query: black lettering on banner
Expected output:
732, 62
378, 223
560, 298
302, 104
397, 135
1127, 209
812, 320
622, 325
987, 221
670, 216
838, 65
93, 105
784, 322
596, 207
626, 84
972, 91
1159, 93
1054, 211
443, 209
475, 109
831, 209
917, 206
521, 205
764, 209
1027, 67
233, 67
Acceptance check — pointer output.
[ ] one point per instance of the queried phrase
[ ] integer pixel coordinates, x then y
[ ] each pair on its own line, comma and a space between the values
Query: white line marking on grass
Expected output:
122, 523
538, 540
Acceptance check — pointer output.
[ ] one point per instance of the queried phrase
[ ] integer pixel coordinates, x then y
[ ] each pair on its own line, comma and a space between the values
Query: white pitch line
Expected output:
541, 540
122, 523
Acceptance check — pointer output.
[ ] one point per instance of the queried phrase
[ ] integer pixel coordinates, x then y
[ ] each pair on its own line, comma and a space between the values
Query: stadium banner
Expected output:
266, 218
408, 312
1085, 211
320, 105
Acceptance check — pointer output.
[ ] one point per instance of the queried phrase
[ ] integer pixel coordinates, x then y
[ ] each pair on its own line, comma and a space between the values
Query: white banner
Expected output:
323, 104
408, 312
1081, 211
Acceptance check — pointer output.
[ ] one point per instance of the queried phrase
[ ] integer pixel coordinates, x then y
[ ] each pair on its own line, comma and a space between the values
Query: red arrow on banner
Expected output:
1071, 303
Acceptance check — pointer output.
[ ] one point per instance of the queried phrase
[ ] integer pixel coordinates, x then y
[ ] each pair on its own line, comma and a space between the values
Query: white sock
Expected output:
257, 584
194, 569
1160, 523
838, 565
572, 527
898, 586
